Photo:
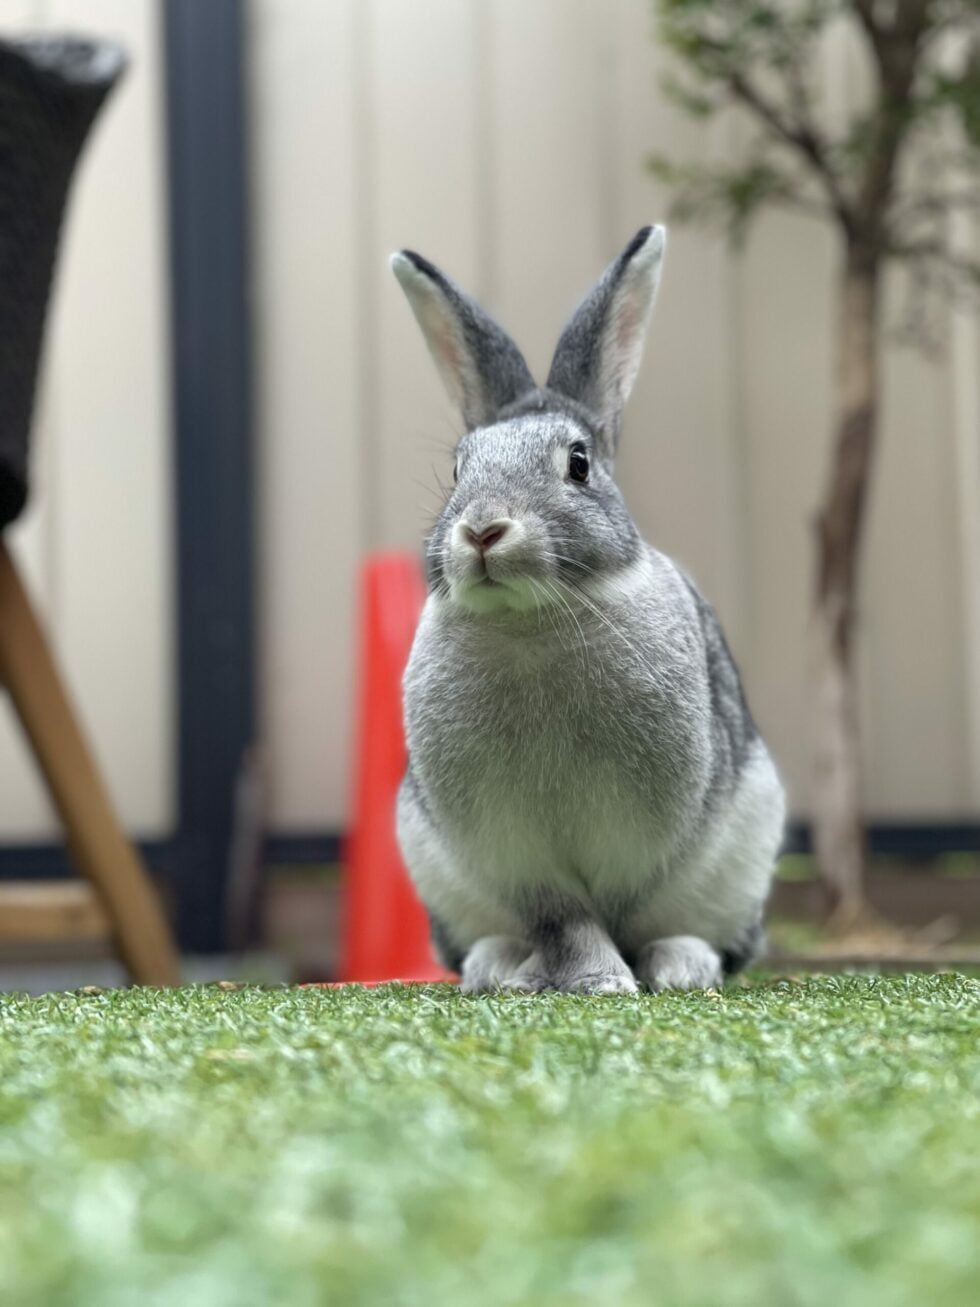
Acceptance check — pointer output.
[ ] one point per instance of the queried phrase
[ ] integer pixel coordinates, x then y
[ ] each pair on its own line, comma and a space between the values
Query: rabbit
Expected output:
588, 805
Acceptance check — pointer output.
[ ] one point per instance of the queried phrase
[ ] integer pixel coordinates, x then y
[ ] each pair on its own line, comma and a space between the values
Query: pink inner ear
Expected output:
622, 365
627, 321
449, 348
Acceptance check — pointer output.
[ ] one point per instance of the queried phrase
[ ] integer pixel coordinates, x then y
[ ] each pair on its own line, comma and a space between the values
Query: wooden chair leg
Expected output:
96, 841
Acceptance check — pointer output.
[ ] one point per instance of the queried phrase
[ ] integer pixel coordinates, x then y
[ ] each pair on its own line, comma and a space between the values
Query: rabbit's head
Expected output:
534, 509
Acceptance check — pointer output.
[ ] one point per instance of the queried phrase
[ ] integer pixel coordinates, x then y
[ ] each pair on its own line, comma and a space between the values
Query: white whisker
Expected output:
607, 621
553, 588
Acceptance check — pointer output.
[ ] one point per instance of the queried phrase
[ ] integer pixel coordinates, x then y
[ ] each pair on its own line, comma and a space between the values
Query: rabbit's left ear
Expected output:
599, 352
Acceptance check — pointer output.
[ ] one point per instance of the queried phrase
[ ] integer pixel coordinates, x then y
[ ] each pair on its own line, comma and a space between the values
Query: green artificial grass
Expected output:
785, 1142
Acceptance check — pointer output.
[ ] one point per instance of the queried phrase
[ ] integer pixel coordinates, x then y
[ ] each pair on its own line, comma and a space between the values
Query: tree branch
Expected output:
799, 134
865, 10
802, 137
896, 48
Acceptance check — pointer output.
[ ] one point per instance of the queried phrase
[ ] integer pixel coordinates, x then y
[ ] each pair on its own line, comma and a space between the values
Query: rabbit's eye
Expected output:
578, 464
456, 472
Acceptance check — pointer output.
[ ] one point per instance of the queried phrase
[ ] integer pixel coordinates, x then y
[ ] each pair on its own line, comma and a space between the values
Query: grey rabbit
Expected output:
588, 805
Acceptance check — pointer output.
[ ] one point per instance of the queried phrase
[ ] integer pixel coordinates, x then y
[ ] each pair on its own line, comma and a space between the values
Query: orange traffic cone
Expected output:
386, 930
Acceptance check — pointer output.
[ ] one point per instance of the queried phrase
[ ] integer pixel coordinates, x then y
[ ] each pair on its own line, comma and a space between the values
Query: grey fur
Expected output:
733, 726
447, 953
744, 949
492, 962
587, 790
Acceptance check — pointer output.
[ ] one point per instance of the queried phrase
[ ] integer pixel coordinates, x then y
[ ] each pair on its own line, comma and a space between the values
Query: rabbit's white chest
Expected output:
541, 768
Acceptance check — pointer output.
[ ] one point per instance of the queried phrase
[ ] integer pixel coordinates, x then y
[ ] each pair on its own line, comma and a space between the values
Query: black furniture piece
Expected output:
50, 94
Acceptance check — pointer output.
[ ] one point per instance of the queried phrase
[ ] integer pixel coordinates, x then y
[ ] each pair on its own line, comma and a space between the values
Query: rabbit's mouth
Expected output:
490, 594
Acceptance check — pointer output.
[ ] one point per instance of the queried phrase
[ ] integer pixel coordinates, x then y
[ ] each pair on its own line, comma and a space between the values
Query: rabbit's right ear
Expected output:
480, 365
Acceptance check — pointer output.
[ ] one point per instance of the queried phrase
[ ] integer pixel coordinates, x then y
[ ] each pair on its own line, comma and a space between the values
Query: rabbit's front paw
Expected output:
601, 982
491, 962
680, 962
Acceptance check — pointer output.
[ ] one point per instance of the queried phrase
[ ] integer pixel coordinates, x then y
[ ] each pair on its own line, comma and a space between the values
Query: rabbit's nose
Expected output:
486, 537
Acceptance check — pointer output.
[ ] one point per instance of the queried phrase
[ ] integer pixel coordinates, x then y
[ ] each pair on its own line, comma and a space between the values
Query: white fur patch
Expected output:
682, 962
622, 586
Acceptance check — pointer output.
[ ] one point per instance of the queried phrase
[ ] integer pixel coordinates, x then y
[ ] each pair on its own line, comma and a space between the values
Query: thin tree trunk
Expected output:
838, 825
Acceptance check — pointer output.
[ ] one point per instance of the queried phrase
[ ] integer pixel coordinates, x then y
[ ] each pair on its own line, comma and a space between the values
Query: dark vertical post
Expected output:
209, 255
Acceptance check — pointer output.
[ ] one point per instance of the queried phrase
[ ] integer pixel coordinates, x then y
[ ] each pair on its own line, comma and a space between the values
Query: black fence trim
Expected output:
214, 474
314, 848
51, 861
169, 858
910, 839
